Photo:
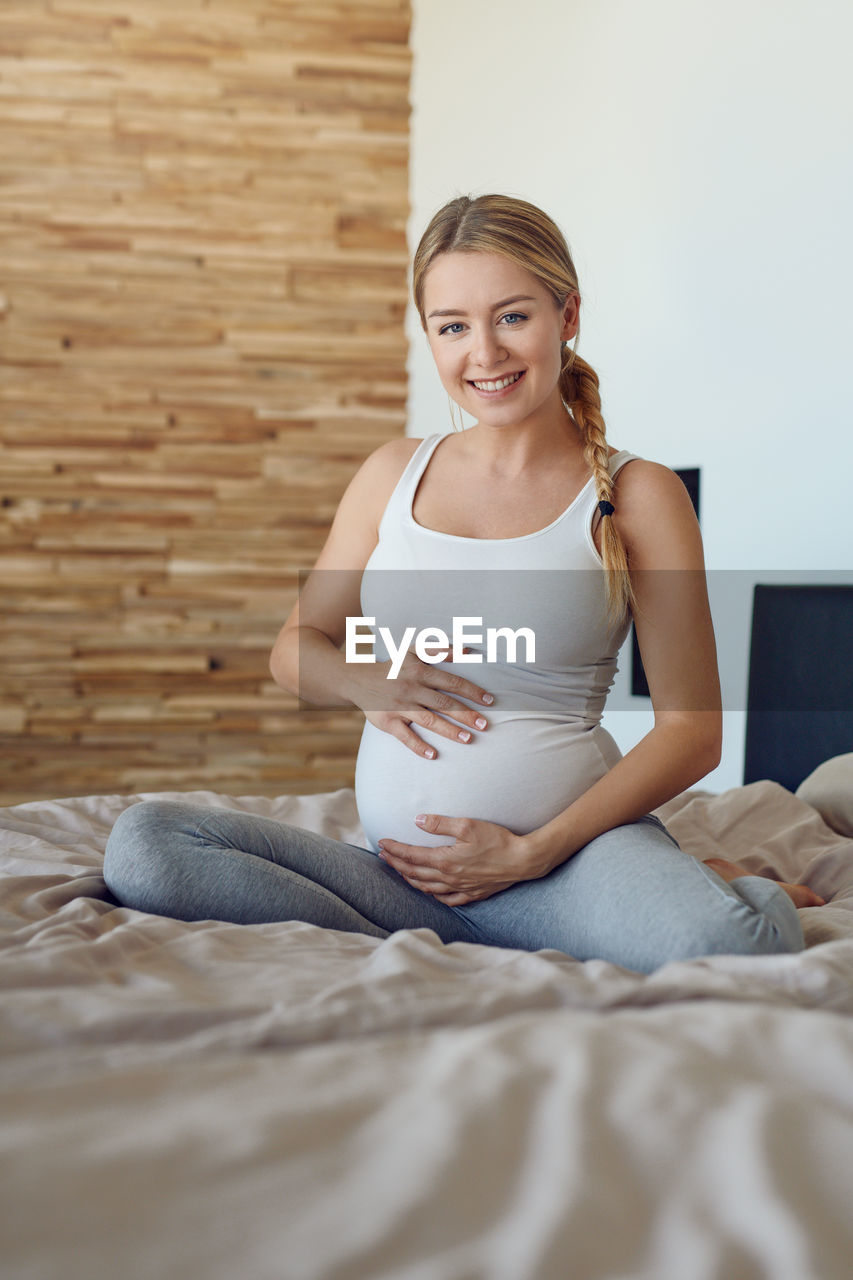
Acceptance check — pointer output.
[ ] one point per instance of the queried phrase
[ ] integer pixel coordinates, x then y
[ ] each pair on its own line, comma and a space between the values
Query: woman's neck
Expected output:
509, 451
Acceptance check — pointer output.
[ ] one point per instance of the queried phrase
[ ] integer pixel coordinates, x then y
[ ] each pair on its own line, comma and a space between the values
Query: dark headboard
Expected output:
800, 696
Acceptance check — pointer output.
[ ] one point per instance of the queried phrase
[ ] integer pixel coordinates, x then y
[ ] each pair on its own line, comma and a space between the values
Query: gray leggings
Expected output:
631, 896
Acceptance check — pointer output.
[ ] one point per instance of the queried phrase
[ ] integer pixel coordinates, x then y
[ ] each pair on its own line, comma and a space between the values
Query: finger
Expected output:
446, 707
413, 866
434, 888
464, 688
455, 683
440, 824
436, 712
459, 898
459, 687
394, 851
415, 855
425, 879
413, 741
425, 699
425, 718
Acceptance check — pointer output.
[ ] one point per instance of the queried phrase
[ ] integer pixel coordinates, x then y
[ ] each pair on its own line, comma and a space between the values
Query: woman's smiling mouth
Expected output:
494, 386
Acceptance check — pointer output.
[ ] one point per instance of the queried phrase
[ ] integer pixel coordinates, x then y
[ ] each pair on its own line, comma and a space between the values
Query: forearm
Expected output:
672, 757
306, 662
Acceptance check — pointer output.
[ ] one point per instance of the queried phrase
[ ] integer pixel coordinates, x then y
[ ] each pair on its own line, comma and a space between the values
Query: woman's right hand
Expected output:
422, 696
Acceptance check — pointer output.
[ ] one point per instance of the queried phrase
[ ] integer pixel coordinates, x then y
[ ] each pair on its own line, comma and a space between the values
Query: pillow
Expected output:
829, 789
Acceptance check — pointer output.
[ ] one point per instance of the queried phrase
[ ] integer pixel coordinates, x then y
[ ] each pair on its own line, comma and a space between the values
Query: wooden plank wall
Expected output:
202, 241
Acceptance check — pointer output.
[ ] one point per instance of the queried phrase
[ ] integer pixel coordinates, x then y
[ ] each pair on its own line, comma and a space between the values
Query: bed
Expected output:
281, 1102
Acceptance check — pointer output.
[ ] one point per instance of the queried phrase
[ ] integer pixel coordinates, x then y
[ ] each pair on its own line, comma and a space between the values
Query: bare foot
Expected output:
800, 894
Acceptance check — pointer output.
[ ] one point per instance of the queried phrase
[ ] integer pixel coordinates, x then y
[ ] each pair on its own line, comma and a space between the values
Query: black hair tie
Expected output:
606, 508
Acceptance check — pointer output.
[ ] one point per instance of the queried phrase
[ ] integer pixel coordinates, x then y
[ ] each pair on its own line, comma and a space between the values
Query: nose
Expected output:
487, 350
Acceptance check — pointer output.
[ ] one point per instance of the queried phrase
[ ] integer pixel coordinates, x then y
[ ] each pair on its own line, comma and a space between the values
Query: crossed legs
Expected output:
631, 896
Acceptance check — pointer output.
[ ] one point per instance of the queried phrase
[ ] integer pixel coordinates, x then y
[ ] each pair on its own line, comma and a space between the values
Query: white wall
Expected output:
697, 154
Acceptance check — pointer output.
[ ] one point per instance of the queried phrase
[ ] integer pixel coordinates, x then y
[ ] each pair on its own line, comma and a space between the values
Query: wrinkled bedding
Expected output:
280, 1102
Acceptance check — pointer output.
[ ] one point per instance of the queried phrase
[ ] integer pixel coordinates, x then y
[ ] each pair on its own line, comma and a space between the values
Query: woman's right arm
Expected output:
307, 658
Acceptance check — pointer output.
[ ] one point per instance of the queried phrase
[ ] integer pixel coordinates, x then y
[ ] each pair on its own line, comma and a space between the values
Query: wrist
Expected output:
537, 851
320, 674
548, 846
353, 683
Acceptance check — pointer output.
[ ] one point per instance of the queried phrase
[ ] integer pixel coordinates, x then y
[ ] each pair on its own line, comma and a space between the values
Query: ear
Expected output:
571, 317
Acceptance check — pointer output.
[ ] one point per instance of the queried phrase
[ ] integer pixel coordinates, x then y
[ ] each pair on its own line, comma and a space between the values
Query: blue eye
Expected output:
513, 317
455, 326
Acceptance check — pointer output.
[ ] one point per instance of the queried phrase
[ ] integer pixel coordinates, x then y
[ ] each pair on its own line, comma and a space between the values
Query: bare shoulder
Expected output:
355, 528
380, 472
639, 480
392, 457
655, 516
381, 469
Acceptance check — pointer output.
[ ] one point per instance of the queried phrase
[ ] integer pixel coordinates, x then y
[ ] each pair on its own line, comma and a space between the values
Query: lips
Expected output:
492, 386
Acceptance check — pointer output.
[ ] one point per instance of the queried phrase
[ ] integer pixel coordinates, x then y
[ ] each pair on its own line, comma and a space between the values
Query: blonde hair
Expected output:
527, 236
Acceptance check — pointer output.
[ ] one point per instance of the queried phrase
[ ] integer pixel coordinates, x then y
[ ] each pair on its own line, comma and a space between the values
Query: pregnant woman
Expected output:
496, 808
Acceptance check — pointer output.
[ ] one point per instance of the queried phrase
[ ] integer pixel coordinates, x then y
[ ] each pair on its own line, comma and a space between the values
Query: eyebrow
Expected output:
455, 311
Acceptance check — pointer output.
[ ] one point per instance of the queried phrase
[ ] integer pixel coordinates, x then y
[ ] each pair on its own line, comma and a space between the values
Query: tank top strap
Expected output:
618, 460
614, 465
399, 505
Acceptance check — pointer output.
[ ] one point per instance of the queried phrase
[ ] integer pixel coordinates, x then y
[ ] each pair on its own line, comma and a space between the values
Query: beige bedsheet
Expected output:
278, 1102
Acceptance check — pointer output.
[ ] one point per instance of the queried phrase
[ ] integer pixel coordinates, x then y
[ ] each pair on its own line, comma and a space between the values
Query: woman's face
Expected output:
495, 333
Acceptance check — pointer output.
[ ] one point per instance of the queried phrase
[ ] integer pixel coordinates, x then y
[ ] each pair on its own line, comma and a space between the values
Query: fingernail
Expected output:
430, 753
480, 722
420, 819
487, 697
463, 735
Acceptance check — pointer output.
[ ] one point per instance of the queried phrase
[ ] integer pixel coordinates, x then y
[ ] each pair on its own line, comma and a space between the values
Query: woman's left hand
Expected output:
483, 859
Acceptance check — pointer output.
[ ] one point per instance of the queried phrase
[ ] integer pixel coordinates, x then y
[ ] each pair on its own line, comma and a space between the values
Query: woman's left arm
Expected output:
672, 618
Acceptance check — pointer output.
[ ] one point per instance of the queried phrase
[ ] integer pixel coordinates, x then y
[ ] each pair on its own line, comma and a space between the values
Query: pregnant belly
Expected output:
520, 773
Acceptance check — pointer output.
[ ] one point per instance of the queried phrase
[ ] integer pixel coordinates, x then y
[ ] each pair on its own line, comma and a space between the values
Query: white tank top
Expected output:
544, 746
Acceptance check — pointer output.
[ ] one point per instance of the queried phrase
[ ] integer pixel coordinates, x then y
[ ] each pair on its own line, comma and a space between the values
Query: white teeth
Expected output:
498, 386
